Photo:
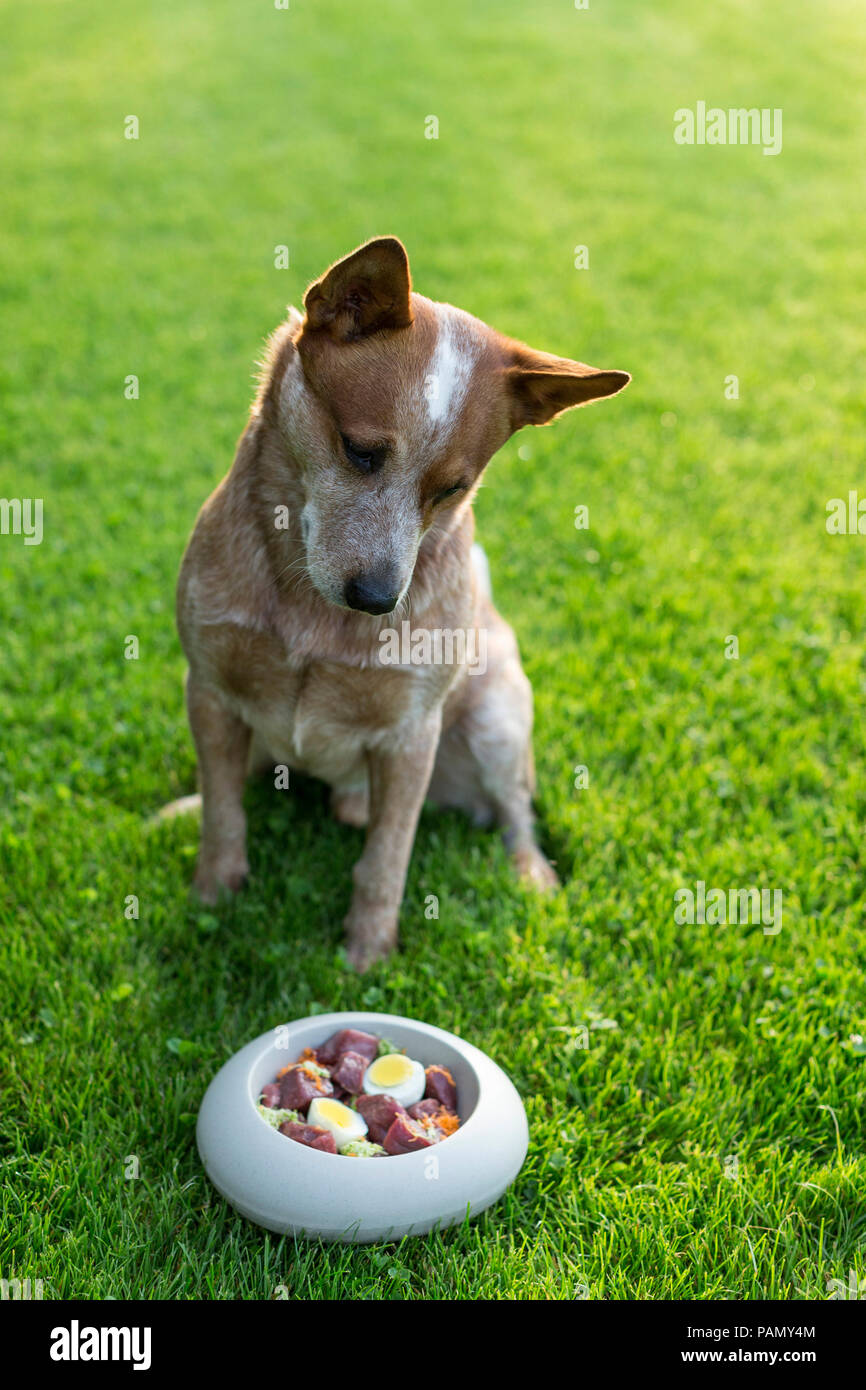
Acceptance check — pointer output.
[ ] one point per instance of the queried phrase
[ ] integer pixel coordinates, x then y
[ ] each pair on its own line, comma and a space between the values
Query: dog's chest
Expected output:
339, 711
319, 716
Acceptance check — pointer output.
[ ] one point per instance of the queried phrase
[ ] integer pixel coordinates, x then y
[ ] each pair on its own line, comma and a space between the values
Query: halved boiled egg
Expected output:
338, 1119
397, 1076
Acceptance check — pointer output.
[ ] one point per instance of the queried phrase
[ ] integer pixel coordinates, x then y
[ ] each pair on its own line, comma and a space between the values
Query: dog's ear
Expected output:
366, 291
542, 386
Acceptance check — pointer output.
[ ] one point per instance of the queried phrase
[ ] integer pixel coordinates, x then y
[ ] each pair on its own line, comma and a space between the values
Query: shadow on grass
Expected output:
282, 935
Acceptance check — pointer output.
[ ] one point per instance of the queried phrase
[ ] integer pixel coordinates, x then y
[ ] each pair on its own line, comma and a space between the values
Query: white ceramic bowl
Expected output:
288, 1187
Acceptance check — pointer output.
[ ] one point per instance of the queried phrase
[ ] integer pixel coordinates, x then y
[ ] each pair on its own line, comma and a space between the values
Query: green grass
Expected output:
155, 257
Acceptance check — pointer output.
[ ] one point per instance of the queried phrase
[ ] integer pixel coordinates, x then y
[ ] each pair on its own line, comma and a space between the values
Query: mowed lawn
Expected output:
695, 1093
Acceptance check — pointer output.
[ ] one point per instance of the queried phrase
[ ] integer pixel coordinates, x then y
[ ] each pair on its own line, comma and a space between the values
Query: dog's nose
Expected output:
372, 593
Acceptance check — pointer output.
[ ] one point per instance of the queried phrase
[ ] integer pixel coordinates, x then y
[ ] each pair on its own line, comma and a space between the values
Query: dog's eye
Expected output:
364, 458
448, 492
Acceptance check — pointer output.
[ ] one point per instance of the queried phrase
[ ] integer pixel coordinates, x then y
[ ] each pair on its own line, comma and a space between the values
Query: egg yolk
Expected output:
336, 1112
390, 1070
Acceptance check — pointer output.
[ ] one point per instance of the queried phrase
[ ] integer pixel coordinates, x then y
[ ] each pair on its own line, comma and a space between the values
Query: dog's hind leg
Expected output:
260, 760
484, 764
351, 805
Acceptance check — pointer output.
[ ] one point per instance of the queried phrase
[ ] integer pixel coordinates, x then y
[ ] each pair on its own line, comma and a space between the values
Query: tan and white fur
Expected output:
349, 508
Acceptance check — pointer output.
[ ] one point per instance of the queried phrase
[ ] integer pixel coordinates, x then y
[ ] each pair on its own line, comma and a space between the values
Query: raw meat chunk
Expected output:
440, 1086
349, 1072
311, 1135
302, 1083
424, 1107
347, 1040
380, 1113
405, 1136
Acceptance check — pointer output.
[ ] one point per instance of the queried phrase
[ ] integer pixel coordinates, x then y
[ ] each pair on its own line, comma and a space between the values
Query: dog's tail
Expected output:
482, 571
184, 806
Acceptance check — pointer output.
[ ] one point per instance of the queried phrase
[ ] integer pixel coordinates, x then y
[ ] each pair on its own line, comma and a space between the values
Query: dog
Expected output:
349, 507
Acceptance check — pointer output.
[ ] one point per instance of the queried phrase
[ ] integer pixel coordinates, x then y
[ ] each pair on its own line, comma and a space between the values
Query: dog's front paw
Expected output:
215, 878
370, 936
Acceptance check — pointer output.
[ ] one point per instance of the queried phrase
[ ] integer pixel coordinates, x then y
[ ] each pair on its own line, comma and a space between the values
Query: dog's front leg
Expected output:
222, 742
399, 777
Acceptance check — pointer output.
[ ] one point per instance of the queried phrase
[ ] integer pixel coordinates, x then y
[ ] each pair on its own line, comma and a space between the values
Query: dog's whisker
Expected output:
296, 566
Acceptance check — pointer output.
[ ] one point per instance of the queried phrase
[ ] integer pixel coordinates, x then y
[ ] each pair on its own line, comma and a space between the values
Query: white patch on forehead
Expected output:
449, 370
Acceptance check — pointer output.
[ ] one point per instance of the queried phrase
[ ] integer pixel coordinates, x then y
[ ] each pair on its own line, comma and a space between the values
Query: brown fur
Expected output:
281, 670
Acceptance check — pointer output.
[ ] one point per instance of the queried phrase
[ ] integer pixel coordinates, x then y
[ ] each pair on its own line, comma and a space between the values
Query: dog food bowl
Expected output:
288, 1187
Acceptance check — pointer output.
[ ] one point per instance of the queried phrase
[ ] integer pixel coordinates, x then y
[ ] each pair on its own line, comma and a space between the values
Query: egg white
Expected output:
338, 1119
407, 1091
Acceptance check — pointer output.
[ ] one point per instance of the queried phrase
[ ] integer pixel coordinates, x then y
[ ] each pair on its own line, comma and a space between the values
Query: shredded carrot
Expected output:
444, 1071
446, 1121
308, 1064
310, 1069
442, 1121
